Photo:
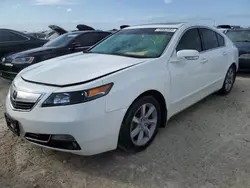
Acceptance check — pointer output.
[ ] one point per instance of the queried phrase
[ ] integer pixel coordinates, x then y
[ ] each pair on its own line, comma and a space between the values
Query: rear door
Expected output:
215, 52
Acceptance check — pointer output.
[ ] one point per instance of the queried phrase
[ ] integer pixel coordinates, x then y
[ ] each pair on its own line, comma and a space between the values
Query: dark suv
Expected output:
70, 42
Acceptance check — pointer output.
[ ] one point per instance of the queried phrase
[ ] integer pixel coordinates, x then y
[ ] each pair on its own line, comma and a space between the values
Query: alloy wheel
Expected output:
229, 79
143, 124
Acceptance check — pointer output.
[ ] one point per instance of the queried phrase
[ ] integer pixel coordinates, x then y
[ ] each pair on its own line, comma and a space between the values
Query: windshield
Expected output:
239, 35
52, 35
141, 43
62, 40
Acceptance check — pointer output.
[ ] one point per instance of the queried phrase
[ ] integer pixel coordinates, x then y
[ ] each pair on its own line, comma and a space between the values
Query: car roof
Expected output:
240, 29
158, 25
18, 32
88, 31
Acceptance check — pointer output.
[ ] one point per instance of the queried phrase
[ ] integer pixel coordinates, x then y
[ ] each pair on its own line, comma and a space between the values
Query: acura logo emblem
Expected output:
14, 94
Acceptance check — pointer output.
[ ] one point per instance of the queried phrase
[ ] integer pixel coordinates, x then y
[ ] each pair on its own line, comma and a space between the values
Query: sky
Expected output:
35, 15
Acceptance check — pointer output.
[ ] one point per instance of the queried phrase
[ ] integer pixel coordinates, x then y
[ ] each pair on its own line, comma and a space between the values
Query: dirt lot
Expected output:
206, 146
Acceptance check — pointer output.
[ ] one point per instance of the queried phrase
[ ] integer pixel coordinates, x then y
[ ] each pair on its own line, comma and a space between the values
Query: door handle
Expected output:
224, 53
204, 60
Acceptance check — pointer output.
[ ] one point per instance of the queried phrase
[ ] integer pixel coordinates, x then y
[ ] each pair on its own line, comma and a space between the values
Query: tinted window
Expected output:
190, 41
89, 39
62, 40
221, 40
209, 39
7, 36
4, 36
17, 37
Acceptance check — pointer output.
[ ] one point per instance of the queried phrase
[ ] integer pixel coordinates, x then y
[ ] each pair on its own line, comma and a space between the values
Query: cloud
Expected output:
167, 1
54, 2
69, 10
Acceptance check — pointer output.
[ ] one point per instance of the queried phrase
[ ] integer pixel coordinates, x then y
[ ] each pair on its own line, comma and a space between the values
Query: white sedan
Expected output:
120, 92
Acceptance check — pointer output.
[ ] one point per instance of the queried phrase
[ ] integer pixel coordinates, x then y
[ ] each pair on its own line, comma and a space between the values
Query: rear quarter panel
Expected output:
233, 55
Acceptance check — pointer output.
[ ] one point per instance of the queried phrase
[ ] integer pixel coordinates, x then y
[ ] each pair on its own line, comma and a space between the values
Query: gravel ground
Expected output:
206, 146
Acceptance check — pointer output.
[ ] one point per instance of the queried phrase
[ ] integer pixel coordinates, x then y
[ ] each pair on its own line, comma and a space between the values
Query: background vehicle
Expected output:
57, 31
54, 32
241, 39
37, 35
224, 28
13, 41
122, 90
67, 43
121, 27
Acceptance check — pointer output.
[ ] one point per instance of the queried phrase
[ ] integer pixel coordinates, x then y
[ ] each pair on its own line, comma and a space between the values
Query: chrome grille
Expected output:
21, 105
23, 100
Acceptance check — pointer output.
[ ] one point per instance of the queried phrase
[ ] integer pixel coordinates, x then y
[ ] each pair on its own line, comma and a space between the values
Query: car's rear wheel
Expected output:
140, 124
229, 81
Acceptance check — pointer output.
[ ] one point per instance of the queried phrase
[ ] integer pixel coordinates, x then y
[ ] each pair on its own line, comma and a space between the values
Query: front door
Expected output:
187, 76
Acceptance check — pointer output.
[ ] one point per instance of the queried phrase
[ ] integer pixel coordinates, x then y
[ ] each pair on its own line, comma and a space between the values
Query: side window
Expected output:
190, 41
5, 36
8, 36
17, 37
88, 39
221, 40
209, 39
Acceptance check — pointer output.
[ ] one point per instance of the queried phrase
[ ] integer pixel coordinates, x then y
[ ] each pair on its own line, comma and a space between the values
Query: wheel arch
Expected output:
234, 65
162, 102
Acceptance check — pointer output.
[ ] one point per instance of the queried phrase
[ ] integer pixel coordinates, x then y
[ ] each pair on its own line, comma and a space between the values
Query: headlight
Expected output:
76, 97
21, 60
245, 56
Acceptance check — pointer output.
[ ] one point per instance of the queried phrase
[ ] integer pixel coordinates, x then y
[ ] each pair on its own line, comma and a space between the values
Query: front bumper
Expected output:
94, 129
9, 70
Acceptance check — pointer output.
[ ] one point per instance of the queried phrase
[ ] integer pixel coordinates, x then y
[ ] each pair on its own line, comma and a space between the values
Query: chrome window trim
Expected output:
199, 27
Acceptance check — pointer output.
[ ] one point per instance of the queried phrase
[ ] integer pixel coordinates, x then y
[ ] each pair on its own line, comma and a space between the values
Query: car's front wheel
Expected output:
229, 81
140, 124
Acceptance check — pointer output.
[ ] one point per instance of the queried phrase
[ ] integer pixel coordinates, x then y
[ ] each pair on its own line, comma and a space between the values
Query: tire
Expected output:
229, 81
135, 124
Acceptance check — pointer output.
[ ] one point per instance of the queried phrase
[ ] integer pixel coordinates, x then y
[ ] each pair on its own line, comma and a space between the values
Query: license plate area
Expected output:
12, 124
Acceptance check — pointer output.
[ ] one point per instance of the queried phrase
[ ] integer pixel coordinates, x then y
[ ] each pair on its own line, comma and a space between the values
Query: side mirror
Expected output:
75, 45
86, 50
188, 54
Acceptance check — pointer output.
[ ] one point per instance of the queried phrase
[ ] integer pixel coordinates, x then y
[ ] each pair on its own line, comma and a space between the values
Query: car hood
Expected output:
57, 29
31, 52
82, 27
77, 69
